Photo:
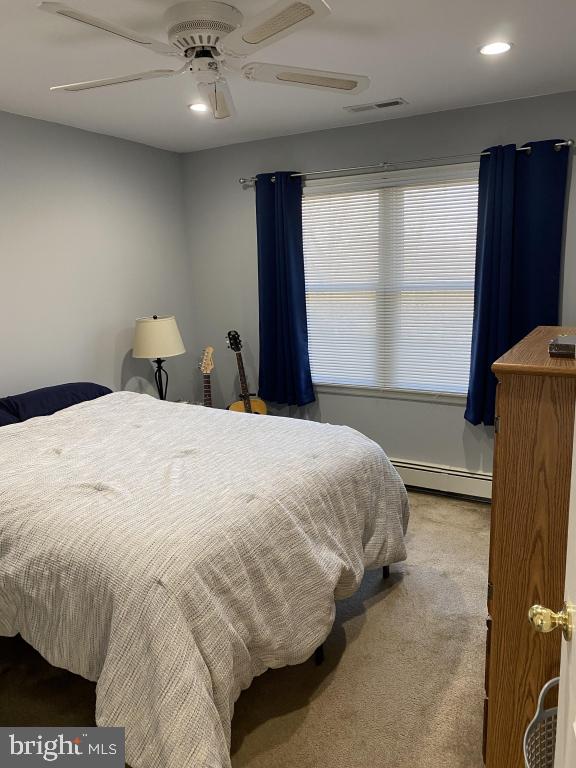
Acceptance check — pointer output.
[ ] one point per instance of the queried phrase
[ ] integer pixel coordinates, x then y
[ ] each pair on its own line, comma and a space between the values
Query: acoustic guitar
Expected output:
206, 365
246, 404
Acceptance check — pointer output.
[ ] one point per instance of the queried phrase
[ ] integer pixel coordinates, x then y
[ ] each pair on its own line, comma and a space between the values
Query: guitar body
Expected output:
257, 406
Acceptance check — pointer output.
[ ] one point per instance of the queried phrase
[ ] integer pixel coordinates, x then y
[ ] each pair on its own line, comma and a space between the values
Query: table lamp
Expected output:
157, 338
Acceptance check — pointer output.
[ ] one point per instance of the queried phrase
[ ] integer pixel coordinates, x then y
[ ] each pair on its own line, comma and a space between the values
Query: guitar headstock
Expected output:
234, 341
206, 364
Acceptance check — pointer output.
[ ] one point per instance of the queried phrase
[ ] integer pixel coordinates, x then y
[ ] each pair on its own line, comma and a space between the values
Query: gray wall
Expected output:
222, 236
91, 236
96, 231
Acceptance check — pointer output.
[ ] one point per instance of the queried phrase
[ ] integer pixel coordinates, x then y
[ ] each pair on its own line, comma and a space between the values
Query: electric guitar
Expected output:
246, 404
206, 365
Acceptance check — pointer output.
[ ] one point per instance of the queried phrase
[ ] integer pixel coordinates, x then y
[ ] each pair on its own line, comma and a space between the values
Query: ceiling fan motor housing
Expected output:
200, 24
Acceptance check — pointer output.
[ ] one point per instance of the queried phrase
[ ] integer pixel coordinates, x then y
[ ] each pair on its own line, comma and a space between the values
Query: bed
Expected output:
172, 552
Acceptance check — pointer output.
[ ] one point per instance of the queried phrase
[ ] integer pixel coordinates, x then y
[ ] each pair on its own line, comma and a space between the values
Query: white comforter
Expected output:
173, 552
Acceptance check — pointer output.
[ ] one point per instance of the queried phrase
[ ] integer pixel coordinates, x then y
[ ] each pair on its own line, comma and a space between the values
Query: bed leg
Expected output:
319, 655
386, 572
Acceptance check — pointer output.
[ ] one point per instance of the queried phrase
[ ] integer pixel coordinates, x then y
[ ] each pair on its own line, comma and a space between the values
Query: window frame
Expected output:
381, 180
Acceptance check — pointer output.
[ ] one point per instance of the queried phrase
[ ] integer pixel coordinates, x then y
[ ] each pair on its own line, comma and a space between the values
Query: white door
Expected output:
566, 735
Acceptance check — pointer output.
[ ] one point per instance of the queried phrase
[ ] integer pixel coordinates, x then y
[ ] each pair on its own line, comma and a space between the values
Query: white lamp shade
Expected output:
157, 337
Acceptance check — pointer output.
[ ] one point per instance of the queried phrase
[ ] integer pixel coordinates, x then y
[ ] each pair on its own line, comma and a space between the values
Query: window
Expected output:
389, 263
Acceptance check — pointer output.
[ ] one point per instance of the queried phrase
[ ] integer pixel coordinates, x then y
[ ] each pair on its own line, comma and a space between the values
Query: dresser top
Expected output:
530, 356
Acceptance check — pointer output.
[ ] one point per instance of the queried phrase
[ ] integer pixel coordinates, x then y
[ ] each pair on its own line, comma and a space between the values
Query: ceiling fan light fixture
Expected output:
496, 48
209, 36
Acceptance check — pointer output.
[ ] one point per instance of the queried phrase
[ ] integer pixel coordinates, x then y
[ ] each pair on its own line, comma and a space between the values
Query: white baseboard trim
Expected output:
436, 477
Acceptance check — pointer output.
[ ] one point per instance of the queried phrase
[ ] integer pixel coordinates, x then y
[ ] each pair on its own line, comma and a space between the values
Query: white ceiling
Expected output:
425, 51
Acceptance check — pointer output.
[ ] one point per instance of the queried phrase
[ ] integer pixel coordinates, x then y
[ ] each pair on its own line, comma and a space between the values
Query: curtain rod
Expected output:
387, 165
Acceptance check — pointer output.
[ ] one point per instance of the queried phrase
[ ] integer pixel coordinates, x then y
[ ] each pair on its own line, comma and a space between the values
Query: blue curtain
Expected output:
284, 363
521, 215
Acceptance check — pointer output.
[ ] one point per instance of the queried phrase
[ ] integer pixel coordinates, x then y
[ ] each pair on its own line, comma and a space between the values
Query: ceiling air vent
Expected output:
376, 105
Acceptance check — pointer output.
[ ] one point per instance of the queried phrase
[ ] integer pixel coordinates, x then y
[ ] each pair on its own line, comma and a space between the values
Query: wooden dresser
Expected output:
531, 488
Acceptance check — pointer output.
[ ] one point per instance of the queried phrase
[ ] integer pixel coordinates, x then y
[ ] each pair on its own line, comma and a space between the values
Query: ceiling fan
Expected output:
213, 38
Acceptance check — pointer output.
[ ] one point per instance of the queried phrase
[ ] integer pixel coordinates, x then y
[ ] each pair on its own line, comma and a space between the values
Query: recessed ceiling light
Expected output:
493, 49
198, 106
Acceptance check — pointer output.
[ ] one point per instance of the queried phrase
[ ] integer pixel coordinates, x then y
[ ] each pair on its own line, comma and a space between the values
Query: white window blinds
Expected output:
389, 262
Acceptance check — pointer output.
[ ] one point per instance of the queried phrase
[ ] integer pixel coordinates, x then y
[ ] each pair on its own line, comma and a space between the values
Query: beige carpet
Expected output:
401, 686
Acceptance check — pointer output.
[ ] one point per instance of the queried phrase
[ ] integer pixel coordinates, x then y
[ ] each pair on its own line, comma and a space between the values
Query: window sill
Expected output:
442, 398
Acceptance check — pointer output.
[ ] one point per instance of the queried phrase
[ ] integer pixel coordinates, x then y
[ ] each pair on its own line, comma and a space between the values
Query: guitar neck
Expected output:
207, 390
244, 393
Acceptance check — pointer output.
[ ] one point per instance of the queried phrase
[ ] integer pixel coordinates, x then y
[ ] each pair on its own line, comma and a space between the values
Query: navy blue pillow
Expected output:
44, 402
6, 418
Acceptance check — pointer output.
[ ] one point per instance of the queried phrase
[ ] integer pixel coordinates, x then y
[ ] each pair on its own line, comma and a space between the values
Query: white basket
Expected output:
540, 736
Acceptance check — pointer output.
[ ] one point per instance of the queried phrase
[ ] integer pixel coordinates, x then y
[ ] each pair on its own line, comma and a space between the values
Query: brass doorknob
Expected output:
545, 620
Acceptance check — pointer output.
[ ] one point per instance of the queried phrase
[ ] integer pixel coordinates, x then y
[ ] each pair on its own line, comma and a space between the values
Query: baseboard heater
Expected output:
436, 477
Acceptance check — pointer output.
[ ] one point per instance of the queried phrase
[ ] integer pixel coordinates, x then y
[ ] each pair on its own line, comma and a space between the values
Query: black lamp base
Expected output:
161, 378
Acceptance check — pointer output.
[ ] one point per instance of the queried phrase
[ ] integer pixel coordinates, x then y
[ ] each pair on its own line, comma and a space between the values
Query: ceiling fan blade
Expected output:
281, 19
89, 84
307, 78
218, 96
60, 9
